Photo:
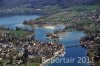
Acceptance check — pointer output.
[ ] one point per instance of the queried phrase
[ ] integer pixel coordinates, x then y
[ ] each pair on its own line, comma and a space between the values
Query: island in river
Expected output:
18, 46
66, 39
81, 20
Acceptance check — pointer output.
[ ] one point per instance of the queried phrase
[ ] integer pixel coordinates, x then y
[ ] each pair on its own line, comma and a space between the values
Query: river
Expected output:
66, 38
12, 21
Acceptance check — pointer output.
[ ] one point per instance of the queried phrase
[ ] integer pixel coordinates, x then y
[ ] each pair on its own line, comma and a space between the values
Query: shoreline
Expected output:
9, 15
2, 16
56, 54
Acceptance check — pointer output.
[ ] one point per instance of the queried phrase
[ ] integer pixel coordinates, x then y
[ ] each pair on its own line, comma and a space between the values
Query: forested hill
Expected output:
40, 3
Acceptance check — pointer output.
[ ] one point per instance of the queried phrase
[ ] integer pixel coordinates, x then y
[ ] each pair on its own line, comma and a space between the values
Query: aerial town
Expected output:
37, 32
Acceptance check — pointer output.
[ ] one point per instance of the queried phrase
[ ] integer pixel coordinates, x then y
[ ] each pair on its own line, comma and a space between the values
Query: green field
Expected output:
34, 64
69, 12
21, 33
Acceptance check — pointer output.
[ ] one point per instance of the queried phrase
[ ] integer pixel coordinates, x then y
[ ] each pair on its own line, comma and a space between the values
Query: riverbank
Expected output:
66, 15
42, 32
25, 48
56, 54
87, 21
78, 24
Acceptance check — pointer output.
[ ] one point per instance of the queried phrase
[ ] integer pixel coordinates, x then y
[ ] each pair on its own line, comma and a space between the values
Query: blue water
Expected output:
75, 52
11, 21
67, 38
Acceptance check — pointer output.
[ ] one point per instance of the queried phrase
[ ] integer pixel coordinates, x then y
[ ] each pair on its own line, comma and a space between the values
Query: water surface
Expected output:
67, 38
11, 21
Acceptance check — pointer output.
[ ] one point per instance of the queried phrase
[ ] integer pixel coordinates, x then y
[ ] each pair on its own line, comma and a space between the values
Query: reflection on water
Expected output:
40, 33
67, 38
49, 27
55, 27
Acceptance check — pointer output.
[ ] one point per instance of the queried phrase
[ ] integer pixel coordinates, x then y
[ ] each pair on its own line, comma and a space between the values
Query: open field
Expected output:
19, 33
67, 13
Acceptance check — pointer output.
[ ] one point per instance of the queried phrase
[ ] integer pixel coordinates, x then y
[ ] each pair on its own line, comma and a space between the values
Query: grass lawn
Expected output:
34, 64
21, 33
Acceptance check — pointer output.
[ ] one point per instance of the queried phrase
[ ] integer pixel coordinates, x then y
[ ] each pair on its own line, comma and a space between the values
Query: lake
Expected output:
11, 21
40, 33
